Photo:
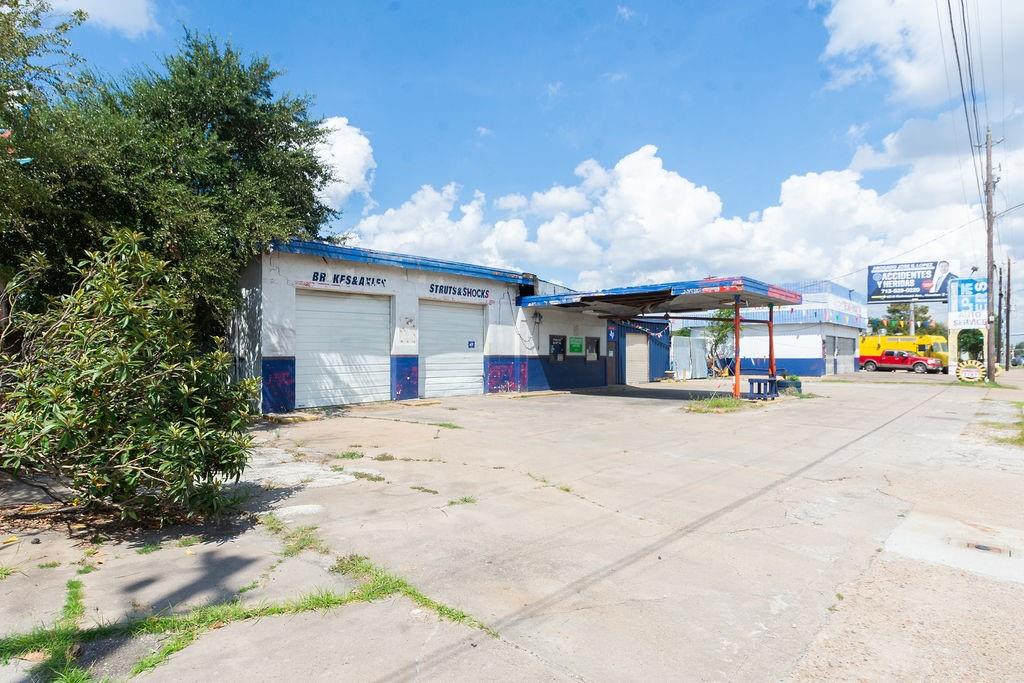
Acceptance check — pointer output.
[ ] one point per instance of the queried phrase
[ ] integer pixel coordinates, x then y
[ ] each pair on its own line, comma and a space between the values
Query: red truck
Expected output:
900, 360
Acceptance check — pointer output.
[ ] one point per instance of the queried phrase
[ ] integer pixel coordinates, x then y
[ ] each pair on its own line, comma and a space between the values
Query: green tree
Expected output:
201, 157
897, 320
720, 332
108, 398
972, 342
35, 55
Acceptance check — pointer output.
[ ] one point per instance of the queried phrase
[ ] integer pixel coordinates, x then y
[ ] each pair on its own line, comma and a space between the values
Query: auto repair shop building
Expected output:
326, 325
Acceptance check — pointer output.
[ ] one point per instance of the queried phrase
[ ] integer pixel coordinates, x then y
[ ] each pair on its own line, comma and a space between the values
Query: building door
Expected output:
847, 353
637, 359
342, 348
451, 349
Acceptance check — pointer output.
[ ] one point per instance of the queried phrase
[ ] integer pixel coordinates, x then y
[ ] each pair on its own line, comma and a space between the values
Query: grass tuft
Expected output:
445, 425
273, 523
301, 539
48, 565
6, 572
465, 500
188, 541
148, 548
383, 457
367, 476
74, 606
350, 455
718, 404
423, 489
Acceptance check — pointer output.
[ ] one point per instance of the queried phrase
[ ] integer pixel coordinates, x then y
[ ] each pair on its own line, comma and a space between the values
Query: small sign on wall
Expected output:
575, 346
471, 344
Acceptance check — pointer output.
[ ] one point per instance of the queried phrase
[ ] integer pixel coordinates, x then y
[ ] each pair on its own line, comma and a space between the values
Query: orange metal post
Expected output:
736, 339
771, 340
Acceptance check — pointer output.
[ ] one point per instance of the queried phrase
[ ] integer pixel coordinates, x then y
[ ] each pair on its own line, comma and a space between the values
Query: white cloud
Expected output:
133, 18
349, 153
512, 202
559, 199
643, 222
624, 13
553, 89
484, 131
905, 41
616, 76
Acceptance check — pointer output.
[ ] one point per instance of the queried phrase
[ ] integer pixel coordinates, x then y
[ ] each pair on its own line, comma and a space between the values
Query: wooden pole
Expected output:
736, 344
771, 340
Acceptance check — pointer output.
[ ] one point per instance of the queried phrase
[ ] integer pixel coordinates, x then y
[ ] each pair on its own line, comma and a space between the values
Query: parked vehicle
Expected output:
1017, 360
900, 360
924, 345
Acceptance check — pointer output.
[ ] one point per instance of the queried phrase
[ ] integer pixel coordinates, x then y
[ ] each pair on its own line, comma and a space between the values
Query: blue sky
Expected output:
732, 95
608, 143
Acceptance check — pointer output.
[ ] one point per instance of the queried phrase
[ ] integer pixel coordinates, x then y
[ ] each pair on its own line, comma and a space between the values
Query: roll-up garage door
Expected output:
451, 349
637, 359
342, 348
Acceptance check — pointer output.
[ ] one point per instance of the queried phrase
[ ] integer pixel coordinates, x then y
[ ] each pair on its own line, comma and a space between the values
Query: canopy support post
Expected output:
771, 340
736, 346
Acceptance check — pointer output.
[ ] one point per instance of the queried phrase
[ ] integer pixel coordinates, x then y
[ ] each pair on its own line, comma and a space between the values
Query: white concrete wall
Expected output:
558, 322
283, 273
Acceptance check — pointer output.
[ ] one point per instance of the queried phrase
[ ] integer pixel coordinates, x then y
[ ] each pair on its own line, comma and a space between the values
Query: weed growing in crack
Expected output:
350, 455
380, 584
47, 565
6, 572
368, 476
272, 523
148, 548
423, 489
445, 425
301, 539
383, 457
188, 541
465, 500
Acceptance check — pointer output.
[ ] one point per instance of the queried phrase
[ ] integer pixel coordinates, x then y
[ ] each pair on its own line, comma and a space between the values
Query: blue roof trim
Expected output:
706, 286
385, 258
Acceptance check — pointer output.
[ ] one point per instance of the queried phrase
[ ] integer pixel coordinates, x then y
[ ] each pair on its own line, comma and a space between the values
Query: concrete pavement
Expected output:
617, 536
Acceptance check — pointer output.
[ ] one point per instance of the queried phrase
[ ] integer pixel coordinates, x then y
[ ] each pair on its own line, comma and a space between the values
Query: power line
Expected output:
963, 97
952, 120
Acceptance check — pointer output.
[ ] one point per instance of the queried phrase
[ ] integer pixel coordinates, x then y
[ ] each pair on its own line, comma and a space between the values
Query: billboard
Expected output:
919, 281
968, 303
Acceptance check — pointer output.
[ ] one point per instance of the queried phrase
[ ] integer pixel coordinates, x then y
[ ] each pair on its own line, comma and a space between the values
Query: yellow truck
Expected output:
925, 345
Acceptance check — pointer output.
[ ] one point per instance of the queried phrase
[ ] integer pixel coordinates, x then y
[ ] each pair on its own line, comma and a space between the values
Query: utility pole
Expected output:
913, 325
999, 321
1006, 315
990, 342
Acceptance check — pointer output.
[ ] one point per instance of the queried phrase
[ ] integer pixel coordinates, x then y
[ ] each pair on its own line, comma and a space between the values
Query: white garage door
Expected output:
451, 349
637, 357
342, 348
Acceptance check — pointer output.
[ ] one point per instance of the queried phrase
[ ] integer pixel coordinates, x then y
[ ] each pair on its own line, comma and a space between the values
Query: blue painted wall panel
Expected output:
503, 374
575, 372
278, 386
405, 377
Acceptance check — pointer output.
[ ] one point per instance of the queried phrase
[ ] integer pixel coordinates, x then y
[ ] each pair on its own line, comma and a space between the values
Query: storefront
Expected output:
326, 325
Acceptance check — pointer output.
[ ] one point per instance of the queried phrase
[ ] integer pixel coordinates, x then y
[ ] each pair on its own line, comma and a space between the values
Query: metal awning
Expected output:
673, 297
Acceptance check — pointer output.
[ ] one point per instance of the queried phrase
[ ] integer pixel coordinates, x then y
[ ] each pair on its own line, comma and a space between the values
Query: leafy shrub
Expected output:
108, 398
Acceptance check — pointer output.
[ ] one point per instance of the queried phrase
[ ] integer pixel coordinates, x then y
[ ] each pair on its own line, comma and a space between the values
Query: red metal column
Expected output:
771, 340
736, 344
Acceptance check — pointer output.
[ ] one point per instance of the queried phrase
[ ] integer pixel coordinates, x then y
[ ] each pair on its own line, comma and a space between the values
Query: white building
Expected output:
814, 338
325, 325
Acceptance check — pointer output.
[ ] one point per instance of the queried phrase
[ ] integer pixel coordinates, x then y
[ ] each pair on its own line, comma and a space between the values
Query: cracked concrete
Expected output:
691, 546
